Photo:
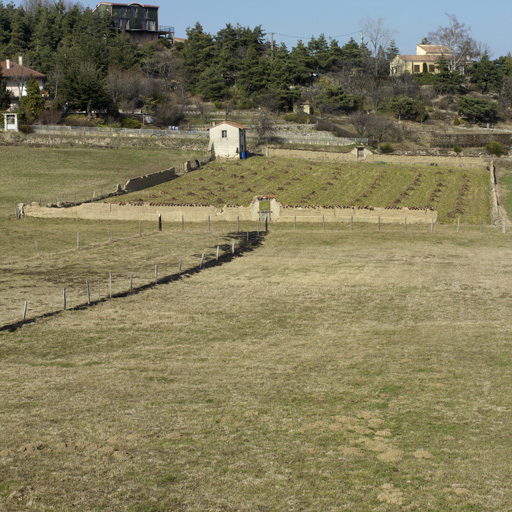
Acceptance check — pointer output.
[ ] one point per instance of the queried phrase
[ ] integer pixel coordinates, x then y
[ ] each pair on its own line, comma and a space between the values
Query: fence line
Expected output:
247, 242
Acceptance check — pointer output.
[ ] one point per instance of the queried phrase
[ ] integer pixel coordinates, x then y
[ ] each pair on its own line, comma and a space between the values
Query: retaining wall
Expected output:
426, 159
149, 180
280, 213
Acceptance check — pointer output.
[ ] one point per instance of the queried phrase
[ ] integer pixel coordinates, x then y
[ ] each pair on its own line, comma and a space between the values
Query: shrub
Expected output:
494, 148
456, 122
130, 122
457, 148
386, 148
290, 117
26, 129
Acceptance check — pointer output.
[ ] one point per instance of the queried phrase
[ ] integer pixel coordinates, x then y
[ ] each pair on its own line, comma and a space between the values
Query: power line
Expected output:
309, 37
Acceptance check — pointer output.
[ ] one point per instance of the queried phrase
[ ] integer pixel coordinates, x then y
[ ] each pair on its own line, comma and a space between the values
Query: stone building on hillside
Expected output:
424, 61
228, 140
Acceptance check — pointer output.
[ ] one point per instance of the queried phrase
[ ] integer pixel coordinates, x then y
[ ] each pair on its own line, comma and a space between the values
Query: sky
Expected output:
489, 23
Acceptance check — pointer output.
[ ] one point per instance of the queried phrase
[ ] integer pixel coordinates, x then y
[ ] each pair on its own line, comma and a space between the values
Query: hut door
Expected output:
264, 210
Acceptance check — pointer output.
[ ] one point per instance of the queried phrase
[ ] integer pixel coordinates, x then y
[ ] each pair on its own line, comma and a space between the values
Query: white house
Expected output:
228, 140
17, 75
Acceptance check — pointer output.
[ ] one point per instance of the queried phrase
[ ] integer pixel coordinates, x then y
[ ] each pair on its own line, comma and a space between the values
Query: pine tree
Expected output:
32, 104
5, 95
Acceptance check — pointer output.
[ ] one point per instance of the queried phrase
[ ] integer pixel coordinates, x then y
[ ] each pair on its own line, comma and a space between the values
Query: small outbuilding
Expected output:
228, 140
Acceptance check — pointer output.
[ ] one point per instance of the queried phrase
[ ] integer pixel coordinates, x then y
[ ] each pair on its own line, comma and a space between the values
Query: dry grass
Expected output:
453, 192
324, 371
30, 174
104, 248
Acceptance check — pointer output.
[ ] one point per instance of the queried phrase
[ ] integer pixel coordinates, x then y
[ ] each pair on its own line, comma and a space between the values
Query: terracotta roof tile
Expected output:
435, 48
419, 58
17, 70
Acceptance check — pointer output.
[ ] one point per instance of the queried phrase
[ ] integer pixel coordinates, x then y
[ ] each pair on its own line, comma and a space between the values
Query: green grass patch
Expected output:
454, 192
31, 173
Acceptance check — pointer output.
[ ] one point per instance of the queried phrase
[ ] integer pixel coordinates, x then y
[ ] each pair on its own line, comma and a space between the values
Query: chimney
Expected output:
20, 60
8, 64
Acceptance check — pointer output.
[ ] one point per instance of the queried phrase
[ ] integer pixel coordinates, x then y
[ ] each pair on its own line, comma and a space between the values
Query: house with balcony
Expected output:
16, 77
139, 21
424, 61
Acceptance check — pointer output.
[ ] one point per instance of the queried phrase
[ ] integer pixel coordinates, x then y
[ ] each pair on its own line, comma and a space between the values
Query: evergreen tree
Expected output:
32, 104
5, 95
485, 75
301, 65
197, 54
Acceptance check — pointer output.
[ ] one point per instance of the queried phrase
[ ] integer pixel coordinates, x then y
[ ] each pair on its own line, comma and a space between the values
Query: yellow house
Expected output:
425, 60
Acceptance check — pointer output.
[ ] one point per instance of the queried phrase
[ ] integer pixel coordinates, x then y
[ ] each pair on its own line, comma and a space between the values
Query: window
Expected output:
146, 13
416, 68
151, 25
224, 134
124, 11
135, 12
431, 68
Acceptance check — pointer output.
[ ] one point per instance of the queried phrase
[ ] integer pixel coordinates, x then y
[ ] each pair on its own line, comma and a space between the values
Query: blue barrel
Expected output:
242, 155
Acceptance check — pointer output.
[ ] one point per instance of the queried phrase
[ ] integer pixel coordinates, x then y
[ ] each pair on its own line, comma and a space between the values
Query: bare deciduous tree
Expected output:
455, 36
378, 35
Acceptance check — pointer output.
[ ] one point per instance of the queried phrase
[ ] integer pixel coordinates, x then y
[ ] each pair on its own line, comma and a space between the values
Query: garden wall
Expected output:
280, 213
423, 159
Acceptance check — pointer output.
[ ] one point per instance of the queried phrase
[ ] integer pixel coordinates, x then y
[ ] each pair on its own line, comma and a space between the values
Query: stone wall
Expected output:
280, 213
418, 159
150, 180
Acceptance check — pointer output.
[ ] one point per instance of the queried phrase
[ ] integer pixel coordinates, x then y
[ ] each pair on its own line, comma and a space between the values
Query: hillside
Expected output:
453, 192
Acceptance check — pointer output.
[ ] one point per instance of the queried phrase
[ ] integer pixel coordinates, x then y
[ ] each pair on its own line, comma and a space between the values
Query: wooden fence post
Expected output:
140, 227
88, 291
159, 222
25, 307
233, 246
110, 283
218, 250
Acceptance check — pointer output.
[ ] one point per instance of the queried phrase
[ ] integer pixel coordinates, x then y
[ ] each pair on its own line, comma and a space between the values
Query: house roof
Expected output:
125, 5
435, 48
16, 70
231, 123
419, 58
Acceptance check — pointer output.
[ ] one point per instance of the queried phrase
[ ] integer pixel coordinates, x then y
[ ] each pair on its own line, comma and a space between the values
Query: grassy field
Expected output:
453, 192
104, 248
338, 370
30, 174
